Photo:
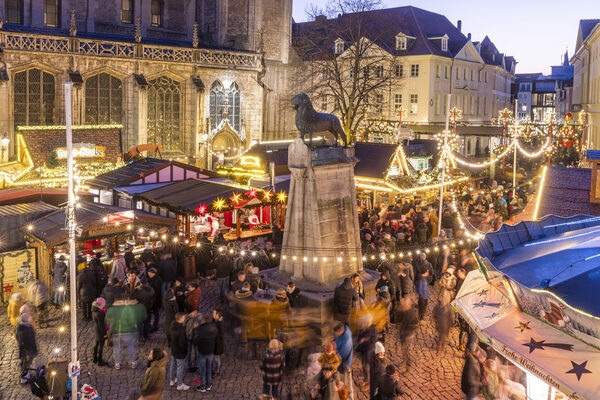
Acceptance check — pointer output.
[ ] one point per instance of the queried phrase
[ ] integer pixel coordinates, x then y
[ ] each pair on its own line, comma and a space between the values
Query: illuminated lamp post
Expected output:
5, 141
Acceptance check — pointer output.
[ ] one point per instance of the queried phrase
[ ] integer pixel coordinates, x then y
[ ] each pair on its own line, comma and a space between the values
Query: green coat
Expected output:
153, 382
125, 316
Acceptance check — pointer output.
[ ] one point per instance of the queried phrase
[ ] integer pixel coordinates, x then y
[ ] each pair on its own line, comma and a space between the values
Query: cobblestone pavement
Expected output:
431, 377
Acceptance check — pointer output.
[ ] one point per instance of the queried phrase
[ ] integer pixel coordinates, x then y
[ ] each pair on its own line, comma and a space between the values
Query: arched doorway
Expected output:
226, 146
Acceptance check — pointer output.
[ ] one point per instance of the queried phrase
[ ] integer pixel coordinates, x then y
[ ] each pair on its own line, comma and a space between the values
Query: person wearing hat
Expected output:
376, 370
59, 280
27, 344
447, 285
99, 314
272, 365
390, 385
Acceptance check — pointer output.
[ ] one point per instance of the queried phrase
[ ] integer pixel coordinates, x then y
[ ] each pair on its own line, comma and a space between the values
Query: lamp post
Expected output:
443, 155
5, 141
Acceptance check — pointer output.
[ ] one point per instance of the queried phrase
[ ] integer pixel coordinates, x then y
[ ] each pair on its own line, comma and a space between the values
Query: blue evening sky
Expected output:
535, 32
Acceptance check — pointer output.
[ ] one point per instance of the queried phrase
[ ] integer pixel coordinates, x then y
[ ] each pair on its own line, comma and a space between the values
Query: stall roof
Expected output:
374, 159
189, 193
38, 207
561, 255
137, 170
51, 228
135, 189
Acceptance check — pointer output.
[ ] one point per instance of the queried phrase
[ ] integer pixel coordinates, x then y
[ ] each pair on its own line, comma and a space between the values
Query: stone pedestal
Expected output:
321, 242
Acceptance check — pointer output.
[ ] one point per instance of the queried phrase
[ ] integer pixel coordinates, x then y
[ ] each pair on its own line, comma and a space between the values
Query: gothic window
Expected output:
14, 11
103, 100
34, 101
127, 11
52, 13
155, 11
218, 95
164, 112
234, 107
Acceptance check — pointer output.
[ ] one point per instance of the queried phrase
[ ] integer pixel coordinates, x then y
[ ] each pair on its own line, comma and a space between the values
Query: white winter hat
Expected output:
379, 348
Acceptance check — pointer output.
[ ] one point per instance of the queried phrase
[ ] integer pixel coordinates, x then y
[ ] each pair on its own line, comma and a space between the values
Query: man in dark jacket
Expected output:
407, 318
223, 267
293, 294
59, 279
202, 256
111, 292
98, 268
470, 381
344, 298
167, 270
424, 275
205, 337
170, 307
144, 294
219, 342
129, 257
384, 280
390, 386
156, 284
376, 371
179, 345
86, 288
27, 344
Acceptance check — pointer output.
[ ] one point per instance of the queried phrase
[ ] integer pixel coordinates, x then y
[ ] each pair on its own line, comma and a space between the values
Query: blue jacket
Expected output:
344, 348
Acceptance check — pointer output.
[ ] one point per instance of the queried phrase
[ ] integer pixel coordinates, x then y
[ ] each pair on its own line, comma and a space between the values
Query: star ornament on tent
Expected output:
579, 369
534, 344
523, 326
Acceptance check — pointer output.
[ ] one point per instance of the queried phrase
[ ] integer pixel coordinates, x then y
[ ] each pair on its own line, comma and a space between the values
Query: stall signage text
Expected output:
83, 151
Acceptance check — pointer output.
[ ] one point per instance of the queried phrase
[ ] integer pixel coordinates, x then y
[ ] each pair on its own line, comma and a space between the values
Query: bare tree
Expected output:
348, 58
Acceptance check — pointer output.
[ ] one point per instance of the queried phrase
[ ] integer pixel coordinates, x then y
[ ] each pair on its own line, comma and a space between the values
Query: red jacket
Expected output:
193, 299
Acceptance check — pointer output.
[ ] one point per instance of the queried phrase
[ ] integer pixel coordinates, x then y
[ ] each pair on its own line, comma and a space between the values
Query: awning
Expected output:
559, 359
432, 129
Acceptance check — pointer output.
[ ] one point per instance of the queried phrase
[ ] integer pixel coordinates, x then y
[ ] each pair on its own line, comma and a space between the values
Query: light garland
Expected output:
540, 192
63, 127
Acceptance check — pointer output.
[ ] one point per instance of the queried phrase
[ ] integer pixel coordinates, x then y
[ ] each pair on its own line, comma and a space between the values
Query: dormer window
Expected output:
400, 42
445, 43
338, 46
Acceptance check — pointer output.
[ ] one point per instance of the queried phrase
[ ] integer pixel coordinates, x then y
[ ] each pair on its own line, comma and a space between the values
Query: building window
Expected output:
465, 74
471, 104
485, 105
486, 77
472, 75
324, 103
446, 72
338, 46
366, 71
397, 101
14, 12
127, 11
414, 103
457, 73
444, 44
478, 104
164, 112
414, 70
438, 71
400, 42
437, 104
219, 109
34, 98
52, 13
155, 12
378, 106
379, 71
235, 117
103, 100
399, 70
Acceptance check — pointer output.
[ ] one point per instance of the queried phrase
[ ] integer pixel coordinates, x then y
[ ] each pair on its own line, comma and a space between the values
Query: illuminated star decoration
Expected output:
579, 369
251, 193
267, 195
201, 209
218, 204
523, 326
236, 198
281, 196
534, 344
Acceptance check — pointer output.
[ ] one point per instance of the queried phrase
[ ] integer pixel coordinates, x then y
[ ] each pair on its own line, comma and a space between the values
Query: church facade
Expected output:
196, 76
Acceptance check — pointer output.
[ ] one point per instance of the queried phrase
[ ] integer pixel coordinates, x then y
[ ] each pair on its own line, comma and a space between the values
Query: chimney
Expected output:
320, 18
469, 36
459, 25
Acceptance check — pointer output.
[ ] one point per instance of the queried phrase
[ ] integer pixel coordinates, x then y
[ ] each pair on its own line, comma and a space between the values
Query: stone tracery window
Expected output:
225, 103
164, 112
103, 100
34, 98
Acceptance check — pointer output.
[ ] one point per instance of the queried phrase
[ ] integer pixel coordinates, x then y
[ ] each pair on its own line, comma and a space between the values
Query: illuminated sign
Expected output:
119, 218
250, 160
82, 151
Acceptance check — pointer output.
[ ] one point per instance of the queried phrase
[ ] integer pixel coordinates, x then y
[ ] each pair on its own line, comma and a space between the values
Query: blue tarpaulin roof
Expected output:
561, 255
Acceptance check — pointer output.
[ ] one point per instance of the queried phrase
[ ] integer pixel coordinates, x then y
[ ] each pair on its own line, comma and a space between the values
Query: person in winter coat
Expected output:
170, 307
328, 385
365, 346
112, 292
470, 382
343, 342
424, 275
144, 294
178, 344
14, 306
444, 319
407, 319
344, 298
153, 382
407, 278
37, 293
99, 315
490, 382
167, 270
101, 277
385, 280
192, 321
129, 257
330, 357
205, 337
447, 285
192, 301
219, 342
293, 295
59, 279
223, 268
272, 367
118, 267
156, 284
390, 385
86, 289
124, 319
27, 344
376, 371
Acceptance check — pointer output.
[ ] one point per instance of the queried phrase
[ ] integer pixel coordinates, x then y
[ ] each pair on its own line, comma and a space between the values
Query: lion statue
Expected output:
310, 121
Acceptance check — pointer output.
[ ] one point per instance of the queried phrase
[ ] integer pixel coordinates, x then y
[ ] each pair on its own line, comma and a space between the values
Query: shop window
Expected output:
156, 11
14, 12
52, 13
34, 98
164, 112
103, 100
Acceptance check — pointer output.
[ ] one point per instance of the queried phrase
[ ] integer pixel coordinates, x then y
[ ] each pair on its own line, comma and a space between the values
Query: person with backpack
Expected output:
27, 344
